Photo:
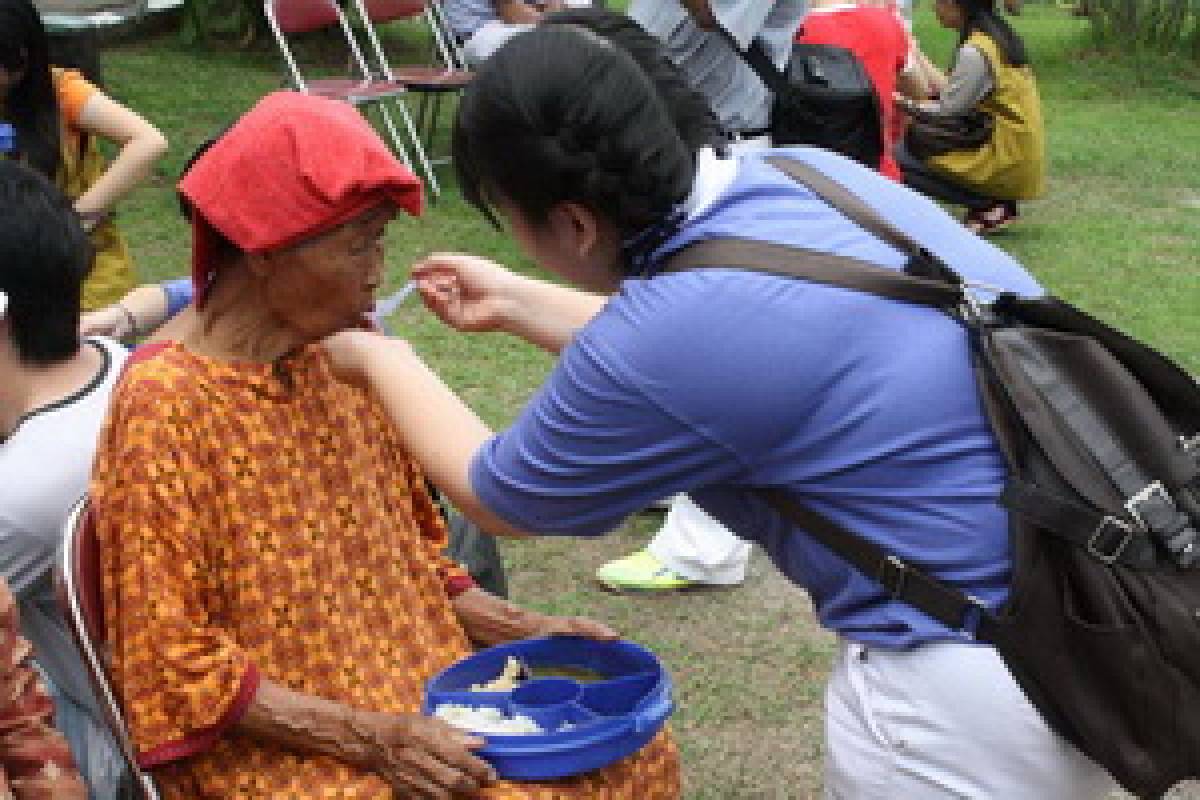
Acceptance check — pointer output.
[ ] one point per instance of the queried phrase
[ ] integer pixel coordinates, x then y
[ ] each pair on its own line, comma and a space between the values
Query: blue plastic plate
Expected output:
607, 719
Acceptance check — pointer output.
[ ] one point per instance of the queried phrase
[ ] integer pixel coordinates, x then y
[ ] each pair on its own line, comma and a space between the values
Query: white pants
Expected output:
943, 721
488, 40
698, 547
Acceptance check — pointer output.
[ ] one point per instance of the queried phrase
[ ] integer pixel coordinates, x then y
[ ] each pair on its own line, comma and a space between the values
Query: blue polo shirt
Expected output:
715, 381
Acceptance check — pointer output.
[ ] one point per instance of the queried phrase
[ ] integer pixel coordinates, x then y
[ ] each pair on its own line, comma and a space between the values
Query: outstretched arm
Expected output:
474, 294
491, 620
439, 431
141, 312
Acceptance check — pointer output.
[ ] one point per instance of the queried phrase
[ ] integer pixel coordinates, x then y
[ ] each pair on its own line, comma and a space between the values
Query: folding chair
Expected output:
79, 589
430, 82
447, 41
301, 16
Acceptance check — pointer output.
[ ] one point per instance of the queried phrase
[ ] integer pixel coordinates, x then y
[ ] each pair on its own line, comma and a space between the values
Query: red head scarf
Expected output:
293, 167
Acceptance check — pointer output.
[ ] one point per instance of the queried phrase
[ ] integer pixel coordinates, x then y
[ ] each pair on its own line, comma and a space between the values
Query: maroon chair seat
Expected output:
79, 590
431, 79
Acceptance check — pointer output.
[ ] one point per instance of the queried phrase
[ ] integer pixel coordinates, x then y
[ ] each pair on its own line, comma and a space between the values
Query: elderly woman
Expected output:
274, 586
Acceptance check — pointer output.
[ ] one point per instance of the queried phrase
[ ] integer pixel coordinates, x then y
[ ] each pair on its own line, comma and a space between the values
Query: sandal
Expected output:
985, 221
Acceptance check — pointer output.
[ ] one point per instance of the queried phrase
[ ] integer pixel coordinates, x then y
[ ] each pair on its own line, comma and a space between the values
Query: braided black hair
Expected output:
694, 118
560, 115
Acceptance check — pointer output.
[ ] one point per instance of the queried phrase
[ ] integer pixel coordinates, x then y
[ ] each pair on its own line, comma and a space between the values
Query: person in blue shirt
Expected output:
718, 382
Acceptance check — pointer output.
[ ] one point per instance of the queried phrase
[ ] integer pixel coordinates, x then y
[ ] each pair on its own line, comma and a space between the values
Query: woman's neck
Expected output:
236, 324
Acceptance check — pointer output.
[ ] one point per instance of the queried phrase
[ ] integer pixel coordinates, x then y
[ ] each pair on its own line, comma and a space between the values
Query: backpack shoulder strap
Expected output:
757, 58
935, 284
813, 265
854, 208
902, 581
760, 61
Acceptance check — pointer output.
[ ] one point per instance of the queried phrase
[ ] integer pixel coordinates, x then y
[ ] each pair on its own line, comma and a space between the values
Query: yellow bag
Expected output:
112, 274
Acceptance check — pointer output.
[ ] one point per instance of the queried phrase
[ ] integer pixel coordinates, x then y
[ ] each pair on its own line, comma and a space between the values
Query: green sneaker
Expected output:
641, 572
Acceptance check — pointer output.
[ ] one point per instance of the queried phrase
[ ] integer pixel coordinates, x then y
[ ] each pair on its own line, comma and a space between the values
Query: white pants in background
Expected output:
698, 547
489, 38
943, 721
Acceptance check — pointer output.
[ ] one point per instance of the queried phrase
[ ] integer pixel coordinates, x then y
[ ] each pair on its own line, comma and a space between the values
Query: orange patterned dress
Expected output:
263, 520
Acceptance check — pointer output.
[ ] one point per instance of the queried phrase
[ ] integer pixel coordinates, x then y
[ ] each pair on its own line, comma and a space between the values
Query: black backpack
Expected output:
1101, 435
824, 98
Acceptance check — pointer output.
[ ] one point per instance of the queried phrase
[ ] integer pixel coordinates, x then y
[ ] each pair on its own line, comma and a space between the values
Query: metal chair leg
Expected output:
434, 189
393, 135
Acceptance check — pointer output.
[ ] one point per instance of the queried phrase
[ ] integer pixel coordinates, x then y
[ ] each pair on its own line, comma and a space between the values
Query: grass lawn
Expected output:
1119, 233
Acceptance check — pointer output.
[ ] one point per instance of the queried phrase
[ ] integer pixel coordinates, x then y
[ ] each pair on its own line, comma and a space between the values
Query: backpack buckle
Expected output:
1152, 493
974, 613
1109, 525
970, 309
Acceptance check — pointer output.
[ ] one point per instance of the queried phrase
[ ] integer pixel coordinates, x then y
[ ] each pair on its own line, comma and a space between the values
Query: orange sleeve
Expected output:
183, 679
73, 91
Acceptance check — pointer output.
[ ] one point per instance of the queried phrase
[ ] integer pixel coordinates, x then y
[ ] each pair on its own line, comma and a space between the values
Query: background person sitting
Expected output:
53, 398
58, 115
483, 25
991, 74
275, 586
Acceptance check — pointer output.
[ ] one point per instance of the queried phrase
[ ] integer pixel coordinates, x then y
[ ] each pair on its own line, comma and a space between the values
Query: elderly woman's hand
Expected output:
424, 758
466, 292
489, 620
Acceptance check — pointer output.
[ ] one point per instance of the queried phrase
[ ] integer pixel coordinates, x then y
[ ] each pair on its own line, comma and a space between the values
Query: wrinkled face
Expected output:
327, 283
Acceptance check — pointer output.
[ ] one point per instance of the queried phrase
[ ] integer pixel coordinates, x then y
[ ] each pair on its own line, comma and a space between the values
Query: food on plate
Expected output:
513, 673
486, 720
